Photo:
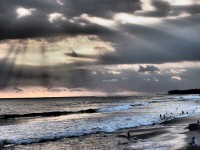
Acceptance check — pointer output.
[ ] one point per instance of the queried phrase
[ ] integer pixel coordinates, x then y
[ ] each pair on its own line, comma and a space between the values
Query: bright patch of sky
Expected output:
40, 52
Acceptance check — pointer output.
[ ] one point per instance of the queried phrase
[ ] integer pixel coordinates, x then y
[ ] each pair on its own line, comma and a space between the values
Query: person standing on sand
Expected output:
128, 135
1, 144
194, 142
182, 112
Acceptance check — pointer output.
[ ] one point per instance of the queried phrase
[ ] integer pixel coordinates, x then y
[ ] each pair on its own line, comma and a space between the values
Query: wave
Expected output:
195, 97
122, 107
115, 108
158, 101
45, 131
60, 113
51, 129
46, 114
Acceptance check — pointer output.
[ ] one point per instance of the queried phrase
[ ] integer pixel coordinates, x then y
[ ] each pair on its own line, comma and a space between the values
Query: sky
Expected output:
98, 47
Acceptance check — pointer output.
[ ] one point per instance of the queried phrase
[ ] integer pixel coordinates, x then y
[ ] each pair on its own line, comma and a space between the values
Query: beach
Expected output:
105, 127
172, 135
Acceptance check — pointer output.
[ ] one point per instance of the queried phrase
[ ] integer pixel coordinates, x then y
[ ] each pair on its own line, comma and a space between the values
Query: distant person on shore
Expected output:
1, 144
182, 112
194, 142
198, 122
128, 135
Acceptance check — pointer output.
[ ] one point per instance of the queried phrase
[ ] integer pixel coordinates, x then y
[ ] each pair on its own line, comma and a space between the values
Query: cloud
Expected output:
177, 71
22, 12
33, 18
162, 9
106, 79
39, 23
99, 44
111, 80
176, 78
161, 46
56, 16
148, 68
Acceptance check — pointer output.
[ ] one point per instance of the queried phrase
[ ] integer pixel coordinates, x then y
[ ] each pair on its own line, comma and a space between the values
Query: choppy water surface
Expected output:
109, 115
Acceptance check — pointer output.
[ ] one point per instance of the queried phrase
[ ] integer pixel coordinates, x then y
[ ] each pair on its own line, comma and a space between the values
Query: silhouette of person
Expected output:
128, 135
194, 142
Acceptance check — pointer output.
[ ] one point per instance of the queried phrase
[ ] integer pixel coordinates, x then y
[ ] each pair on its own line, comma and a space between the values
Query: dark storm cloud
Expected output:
160, 46
192, 9
76, 55
38, 25
148, 68
49, 76
101, 8
73, 8
162, 9
34, 27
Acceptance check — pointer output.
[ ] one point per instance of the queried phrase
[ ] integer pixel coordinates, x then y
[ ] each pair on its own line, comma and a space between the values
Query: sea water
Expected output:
111, 114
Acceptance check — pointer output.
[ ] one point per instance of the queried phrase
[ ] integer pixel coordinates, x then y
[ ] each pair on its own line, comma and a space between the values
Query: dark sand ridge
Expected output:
174, 131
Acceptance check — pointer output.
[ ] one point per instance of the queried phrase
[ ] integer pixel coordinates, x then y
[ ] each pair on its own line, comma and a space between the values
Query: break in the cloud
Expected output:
103, 45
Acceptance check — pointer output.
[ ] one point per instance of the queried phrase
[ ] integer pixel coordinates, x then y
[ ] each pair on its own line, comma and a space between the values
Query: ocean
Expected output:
27, 121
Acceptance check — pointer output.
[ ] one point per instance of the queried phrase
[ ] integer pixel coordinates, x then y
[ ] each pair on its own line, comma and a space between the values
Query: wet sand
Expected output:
172, 135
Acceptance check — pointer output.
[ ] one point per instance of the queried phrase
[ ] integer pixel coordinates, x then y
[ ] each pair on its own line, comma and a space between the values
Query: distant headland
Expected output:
190, 91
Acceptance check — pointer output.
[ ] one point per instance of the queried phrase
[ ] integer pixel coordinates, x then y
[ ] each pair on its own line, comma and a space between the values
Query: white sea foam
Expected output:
123, 107
29, 133
115, 108
192, 96
183, 116
144, 103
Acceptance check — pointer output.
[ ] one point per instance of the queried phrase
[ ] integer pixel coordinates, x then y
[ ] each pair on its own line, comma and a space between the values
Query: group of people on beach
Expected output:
193, 145
164, 117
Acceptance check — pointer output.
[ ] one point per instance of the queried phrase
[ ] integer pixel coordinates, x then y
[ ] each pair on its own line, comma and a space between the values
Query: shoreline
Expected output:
174, 133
